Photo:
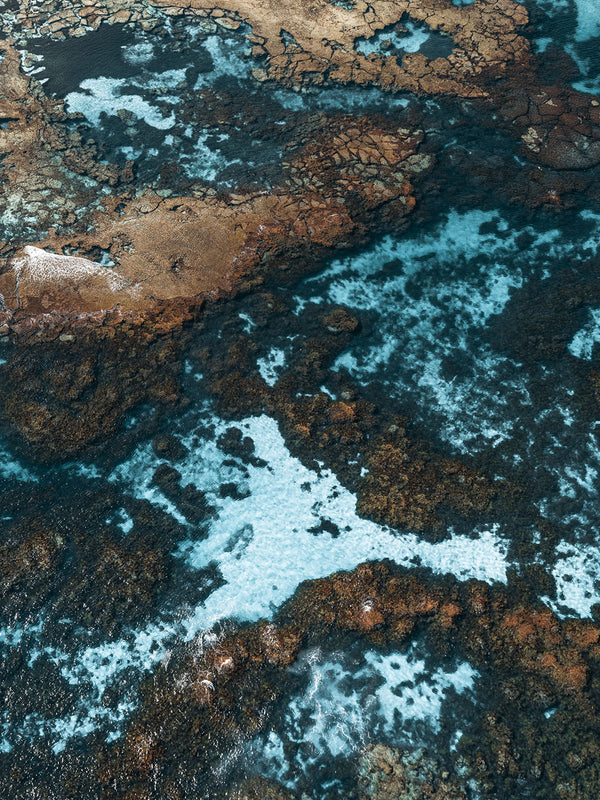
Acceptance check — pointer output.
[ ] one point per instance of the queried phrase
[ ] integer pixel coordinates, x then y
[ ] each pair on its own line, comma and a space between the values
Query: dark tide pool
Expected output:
180, 101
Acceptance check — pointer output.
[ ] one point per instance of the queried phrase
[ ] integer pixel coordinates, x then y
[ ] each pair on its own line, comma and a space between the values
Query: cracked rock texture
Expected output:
179, 250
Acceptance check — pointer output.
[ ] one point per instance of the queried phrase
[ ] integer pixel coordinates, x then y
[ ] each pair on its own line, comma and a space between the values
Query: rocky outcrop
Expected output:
172, 252
261, 789
389, 774
83, 567
63, 396
168, 255
50, 175
199, 705
303, 43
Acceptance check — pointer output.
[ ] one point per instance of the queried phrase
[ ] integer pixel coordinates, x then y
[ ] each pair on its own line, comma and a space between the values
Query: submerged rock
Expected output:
389, 774
262, 789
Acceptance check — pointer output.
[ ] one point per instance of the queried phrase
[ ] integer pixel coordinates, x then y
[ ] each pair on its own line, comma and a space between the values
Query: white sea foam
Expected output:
589, 81
255, 540
432, 297
588, 20
207, 161
10, 467
11, 636
80, 723
229, 55
264, 545
104, 96
409, 42
344, 708
84, 470
126, 523
249, 324
577, 576
573, 460
270, 366
446, 287
141, 53
332, 98
583, 342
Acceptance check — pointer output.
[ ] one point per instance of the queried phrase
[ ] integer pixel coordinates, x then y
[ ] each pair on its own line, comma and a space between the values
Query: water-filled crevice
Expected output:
165, 99
407, 36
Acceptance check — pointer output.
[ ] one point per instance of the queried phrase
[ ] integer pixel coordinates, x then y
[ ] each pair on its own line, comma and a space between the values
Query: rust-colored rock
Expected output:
388, 774
216, 696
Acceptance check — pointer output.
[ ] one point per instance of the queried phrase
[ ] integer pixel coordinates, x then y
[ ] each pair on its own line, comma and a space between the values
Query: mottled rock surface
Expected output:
388, 774
175, 251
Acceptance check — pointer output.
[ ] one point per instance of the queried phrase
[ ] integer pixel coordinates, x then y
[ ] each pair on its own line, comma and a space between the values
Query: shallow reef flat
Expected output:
299, 400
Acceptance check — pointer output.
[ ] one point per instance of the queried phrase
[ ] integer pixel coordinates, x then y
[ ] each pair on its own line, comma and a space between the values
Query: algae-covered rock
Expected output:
389, 774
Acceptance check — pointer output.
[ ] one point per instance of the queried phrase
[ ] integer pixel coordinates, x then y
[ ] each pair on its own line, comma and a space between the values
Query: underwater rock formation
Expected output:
387, 774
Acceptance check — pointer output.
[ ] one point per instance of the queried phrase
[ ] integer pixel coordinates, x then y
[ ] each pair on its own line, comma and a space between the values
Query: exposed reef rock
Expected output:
49, 174
388, 774
304, 42
399, 479
202, 703
45, 282
107, 285
175, 251
261, 789
169, 254
401, 482
383, 773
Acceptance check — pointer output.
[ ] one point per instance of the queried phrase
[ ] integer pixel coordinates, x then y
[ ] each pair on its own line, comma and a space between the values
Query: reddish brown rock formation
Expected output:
170, 254
113, 579
185, 248
405, 483
91, 567
43, 163
261, 789
195, 710
388, 774
64, 396
304, 42
398, 479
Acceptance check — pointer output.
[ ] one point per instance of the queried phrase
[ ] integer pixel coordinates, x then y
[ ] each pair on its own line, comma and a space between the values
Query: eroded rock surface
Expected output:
303, 42
185, 248
172, 253
202, 702
388, 774
90, 253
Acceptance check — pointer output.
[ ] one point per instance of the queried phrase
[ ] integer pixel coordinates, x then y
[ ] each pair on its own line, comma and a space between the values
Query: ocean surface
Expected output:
468, 328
